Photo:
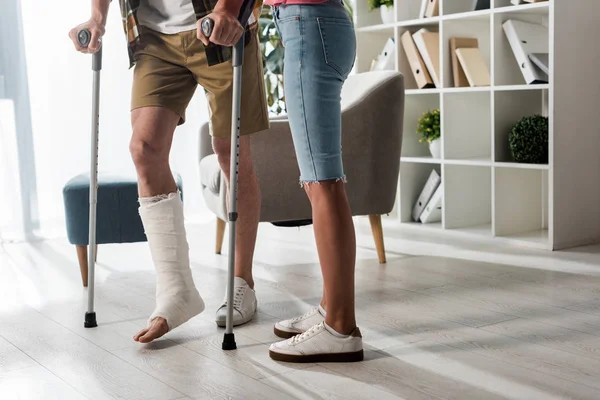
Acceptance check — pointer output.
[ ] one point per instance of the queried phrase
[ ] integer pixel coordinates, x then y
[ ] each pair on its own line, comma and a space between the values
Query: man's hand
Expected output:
96, 28
227, 30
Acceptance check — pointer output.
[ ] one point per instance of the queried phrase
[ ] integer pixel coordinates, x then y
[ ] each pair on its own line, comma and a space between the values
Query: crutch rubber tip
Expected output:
229, 342
90, 320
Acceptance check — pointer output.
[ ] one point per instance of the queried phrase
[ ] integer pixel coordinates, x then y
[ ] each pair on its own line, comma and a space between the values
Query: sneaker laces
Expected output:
310, 313
307, 334
238, 297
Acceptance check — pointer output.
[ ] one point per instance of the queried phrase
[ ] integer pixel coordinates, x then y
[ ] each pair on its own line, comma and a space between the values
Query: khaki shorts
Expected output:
169, 67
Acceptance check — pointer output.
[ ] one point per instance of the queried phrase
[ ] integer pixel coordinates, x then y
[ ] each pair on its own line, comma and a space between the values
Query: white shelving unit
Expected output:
486, 194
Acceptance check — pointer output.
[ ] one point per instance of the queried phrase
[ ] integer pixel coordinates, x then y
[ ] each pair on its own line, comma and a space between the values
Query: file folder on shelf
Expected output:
424, 4
428, 44
460, 79
433, 211
433, 9
432, 184
417, 66
526, 38
474, 66
386, 60
542, 61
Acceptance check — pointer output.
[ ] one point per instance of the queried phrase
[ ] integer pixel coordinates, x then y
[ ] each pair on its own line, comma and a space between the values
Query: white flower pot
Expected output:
387, 14
435, 148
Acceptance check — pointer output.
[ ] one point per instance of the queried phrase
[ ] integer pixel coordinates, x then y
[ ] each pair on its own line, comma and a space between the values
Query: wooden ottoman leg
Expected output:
377, 230
220, 235
83, 263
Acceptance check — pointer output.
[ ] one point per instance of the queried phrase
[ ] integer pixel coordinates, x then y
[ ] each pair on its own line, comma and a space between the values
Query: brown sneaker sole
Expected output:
284, 334
318, 358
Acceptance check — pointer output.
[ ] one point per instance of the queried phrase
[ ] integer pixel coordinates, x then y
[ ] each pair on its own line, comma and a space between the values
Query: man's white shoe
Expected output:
295, 326
319, 344
244, 304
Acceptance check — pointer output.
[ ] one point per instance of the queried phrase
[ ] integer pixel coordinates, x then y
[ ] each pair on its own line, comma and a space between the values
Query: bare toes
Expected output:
140, 334
158, 327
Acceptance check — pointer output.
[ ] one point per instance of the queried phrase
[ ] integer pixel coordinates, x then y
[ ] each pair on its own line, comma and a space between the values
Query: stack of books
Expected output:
468, 65
428, 208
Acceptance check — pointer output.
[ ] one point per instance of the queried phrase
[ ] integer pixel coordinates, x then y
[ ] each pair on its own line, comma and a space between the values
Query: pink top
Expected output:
279, 2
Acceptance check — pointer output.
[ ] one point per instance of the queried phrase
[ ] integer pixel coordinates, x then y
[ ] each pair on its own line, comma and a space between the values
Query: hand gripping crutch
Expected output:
83, 37
237, 62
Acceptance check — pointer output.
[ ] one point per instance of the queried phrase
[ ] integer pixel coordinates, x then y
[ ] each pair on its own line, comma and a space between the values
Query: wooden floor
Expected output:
442, 320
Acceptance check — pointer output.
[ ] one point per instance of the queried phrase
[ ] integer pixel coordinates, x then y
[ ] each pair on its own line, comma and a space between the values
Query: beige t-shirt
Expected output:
167, 16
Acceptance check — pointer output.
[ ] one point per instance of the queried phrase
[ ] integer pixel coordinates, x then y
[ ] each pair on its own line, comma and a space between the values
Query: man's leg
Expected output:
161, 209
248, 204
217, 80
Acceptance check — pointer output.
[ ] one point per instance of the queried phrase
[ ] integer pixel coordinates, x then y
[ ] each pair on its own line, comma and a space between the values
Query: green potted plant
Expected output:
528, 140
430, 131
386, 8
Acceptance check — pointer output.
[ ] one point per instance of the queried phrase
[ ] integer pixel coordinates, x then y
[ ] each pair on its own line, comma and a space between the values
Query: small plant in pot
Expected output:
430, 131
386, 8
528, 140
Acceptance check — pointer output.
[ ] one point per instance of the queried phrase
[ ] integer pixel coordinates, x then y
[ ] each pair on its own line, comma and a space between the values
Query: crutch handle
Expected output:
84, 36
207, 25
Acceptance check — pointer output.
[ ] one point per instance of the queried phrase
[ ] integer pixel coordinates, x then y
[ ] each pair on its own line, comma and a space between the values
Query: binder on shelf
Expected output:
386, 60
433, 9
541, 61
526, 38
460, 79
423, 10
432, 184
433, 211
474, 65
417, 66
428, 44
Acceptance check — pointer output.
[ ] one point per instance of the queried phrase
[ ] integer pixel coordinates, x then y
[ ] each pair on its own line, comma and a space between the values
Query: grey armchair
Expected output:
372, 121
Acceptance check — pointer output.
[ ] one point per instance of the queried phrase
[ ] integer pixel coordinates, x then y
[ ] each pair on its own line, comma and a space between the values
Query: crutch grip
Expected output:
84, 37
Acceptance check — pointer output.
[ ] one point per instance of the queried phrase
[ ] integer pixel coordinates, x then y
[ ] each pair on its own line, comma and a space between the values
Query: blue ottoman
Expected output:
117, 216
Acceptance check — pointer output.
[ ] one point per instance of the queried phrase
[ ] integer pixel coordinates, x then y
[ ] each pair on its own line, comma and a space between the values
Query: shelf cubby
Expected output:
506, 69
464, 28
369, 45
468, 198
458, 6
413, 110
471, 140
510, 107
364, 17
413, 177
505, 6
521, 204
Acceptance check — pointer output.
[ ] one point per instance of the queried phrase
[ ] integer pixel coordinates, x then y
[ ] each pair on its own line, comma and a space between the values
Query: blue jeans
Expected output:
320, 48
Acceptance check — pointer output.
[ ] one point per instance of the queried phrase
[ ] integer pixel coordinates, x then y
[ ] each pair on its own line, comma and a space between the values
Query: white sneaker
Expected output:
295, 326
319, 344
244, 304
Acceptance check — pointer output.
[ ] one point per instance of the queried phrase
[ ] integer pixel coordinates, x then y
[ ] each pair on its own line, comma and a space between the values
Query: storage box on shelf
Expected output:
551, 206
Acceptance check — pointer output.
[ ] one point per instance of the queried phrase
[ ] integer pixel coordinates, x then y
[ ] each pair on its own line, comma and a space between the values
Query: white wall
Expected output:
60, 82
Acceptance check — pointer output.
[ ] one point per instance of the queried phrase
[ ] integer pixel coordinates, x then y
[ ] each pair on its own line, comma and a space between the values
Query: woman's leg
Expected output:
319, 53
336, 244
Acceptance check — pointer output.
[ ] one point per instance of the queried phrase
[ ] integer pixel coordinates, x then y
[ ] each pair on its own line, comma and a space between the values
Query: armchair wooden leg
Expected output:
83, 263
377, 230
220, 235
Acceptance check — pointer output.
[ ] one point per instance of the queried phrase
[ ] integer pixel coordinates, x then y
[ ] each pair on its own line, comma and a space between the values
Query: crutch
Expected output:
237, 62
83, 37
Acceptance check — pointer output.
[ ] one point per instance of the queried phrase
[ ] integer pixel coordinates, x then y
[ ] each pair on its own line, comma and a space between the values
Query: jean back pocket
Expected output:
339, 43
